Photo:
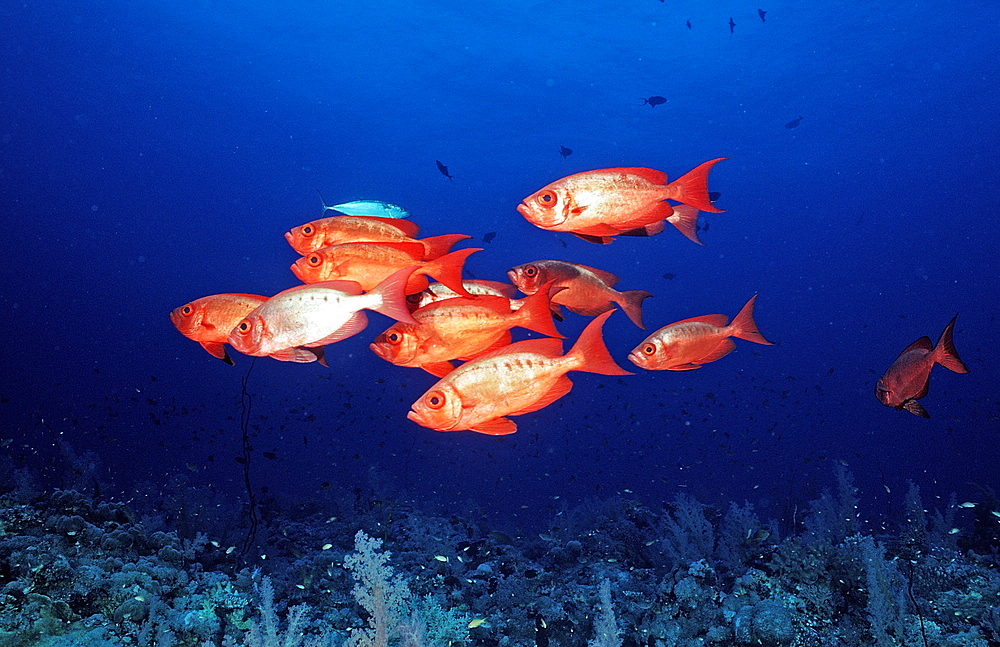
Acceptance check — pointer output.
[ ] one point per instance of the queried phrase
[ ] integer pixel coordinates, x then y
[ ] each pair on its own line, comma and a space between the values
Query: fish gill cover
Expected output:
153, 154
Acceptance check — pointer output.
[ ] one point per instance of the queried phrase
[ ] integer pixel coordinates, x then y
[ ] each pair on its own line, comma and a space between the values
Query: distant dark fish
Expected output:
444, 170
654, 101
689, 24
794, 123
489, 236
732, 25
565, 152
714, 195
761, 12
670, 276
907, 378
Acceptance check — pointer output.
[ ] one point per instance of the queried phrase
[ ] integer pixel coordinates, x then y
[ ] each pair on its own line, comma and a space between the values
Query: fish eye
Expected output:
308, 230
187, 310
314, 260
244, 326
435, 400
649, 349
394, 338
546, 198
531, 271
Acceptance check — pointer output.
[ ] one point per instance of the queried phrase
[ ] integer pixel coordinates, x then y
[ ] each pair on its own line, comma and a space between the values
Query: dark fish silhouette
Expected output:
489, 236
670, 276
794, 123
654, 101
761, 12
732, 25
689, 24
565, 152
907, 378
444, 170
713, 196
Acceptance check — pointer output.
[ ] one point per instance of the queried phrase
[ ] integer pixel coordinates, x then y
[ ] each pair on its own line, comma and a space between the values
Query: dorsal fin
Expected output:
924, 343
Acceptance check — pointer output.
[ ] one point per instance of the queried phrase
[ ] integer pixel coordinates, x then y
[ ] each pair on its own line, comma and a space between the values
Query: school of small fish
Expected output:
370, 259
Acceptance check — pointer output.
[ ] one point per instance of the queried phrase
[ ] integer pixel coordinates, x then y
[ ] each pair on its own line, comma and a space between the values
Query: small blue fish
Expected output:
367, 208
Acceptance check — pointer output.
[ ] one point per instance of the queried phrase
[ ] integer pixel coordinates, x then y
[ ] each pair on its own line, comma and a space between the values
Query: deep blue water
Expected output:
152, 153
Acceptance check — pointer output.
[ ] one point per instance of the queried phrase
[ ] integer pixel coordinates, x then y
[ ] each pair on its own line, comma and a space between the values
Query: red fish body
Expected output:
586, 290
338, 230
370, 263
517, 379
598, 205
460, 328
209, 320
908, 377
690, 343
310, 316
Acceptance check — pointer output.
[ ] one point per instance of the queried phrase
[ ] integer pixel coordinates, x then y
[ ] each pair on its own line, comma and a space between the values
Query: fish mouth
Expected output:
298, 274
378, 350
415, 417
636, 359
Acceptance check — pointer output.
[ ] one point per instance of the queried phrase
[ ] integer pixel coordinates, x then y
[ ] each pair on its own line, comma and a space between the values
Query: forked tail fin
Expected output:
631, 303
945, 353
326, 207
692, 187
744, 327
591, 352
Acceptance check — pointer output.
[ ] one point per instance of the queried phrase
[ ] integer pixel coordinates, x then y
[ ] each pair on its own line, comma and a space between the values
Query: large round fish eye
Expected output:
546, 198
244, 326
649, 349
307, 230
530, 271
435, 399
187, 310
394, 337
314, 260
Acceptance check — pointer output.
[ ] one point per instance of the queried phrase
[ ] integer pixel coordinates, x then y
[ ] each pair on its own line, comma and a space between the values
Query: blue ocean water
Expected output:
153, 153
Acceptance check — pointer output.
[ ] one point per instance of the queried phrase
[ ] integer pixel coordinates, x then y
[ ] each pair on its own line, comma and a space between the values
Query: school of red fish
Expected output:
350, 264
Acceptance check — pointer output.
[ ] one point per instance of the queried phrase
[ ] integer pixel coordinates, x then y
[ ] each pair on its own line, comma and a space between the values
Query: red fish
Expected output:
598, 205
209, 320
292, 322
687, 344
514, 380
338, 230
460, 328
907, 379
370, 263
588, 290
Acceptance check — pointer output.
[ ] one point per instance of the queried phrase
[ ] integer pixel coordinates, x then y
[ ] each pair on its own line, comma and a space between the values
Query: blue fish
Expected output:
367, 208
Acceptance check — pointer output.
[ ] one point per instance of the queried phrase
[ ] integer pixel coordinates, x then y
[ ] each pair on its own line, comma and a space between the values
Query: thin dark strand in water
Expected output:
246, 400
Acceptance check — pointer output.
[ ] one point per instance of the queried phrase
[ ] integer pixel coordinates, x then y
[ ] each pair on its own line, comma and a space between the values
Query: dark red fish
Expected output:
907, 378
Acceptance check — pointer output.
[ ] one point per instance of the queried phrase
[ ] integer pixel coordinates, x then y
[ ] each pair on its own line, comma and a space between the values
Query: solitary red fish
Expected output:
597, 205
687, 344
907, 378
209, 320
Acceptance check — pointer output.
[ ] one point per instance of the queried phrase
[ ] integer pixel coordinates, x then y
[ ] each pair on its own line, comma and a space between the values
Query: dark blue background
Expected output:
152, 155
